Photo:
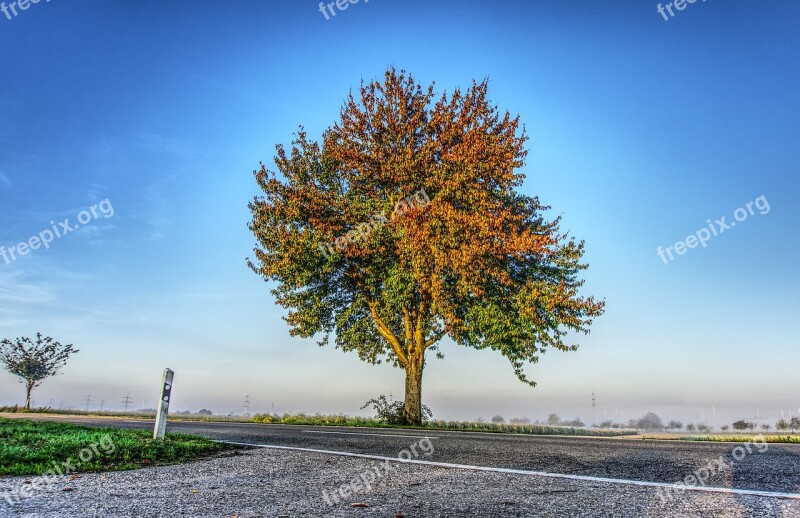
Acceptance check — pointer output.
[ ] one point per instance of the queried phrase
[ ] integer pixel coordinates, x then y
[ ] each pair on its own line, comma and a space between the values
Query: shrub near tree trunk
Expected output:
393, 413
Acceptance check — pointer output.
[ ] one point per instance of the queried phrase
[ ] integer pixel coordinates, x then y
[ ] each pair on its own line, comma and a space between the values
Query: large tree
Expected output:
479, 263
34, 360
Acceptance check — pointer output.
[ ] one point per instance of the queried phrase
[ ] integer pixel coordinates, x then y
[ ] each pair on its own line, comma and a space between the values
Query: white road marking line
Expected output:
585, 478
378, 434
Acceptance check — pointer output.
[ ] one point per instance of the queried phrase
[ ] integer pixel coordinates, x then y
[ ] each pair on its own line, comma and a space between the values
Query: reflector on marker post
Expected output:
163, 405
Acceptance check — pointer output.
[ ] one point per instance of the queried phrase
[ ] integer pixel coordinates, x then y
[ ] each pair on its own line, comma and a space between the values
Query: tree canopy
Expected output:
463, 254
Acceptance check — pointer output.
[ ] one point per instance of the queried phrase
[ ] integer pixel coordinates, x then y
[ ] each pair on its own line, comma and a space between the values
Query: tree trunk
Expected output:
413, 401
28, 389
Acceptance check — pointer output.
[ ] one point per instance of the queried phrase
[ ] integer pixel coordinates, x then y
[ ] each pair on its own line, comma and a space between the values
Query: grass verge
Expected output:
353, 421
454, 426
744, 438
139, 414
38, 447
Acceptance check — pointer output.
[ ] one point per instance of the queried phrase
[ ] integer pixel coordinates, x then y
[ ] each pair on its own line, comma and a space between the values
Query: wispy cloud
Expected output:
97, 192
17, 287
159, 209
5, 181
151, 142
6, 107
235, 90
39, 270
97, 230
217, 295
42, 294
21, 294
83, 318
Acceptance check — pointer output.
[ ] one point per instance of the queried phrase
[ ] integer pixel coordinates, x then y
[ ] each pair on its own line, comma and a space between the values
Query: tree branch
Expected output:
419, 335
407, 322
435, 338
387, 333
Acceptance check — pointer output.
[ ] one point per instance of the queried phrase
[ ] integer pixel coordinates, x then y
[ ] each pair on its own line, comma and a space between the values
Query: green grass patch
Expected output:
744, 438
456, 426
138, 414
37, 447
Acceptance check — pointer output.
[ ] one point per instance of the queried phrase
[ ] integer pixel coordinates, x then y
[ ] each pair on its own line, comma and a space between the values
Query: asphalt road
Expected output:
777, 469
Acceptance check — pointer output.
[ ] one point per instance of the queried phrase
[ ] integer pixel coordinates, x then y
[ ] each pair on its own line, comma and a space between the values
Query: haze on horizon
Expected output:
641, 131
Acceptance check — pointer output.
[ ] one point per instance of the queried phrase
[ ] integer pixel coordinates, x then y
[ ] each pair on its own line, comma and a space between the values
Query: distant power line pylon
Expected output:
247, 406
126, 402
88, 400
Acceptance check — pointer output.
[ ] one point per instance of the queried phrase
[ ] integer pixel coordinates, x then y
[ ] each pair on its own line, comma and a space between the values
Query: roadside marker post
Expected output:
163, 405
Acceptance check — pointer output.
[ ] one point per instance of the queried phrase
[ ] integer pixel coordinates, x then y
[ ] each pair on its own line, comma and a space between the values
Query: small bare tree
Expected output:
674, 425
553, 420
34, 361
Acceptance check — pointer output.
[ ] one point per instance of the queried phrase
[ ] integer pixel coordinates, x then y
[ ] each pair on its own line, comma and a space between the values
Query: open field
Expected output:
17, 411
728, 437
746, 438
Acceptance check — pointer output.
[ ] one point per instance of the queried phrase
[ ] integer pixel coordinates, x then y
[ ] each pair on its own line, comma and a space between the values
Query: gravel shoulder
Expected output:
266, 482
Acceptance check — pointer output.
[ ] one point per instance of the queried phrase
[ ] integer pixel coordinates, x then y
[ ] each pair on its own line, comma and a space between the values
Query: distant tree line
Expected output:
555, 420
652, 422
552, 420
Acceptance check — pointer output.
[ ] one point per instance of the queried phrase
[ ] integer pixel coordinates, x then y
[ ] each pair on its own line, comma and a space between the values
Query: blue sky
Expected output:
641, 130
